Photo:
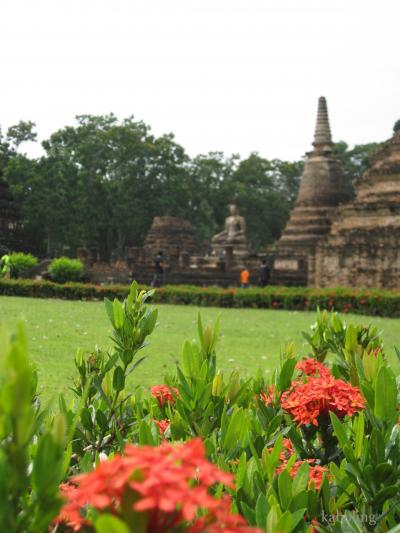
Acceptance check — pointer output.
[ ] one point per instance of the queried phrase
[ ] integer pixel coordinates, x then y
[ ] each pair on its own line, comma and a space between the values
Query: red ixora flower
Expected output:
287, 450
306, 401
268, 396
162, 425
164, 394
168, 483
316, 472
315, 475
312, 367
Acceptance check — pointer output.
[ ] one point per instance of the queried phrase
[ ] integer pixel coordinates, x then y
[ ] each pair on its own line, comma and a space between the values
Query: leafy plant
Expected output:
107, 412
315, 448
32, 460
64, 269
21, 262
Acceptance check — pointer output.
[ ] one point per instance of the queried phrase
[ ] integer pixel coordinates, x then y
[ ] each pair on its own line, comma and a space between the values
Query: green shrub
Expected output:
21, 262
64, 269
374, 302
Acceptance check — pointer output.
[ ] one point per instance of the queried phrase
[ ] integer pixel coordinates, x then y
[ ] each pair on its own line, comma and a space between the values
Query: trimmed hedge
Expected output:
361, 301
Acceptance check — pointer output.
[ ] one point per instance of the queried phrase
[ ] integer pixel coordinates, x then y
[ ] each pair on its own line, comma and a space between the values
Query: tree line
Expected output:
100, 183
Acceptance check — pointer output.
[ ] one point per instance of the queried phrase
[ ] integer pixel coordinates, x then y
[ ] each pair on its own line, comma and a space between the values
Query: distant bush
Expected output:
63, 269
345, 300
21, 262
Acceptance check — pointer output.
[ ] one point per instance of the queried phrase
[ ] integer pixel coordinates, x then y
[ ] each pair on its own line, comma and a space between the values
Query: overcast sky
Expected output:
231, 75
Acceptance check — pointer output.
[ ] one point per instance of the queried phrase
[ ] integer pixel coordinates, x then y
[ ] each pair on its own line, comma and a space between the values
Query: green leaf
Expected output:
339, 431
47, 465
385, 494
284, 524
151, 321
297, 517
285, 489
118, 314
351, 338
248, 513
300, 480
286, 373
386, 395
145, 434
107, 523
312, 507
110, 310
200, 330
236, 423
101, 420
262, 509
273, 516
273, 457
118, 379
241, 471
359, 438
86, 418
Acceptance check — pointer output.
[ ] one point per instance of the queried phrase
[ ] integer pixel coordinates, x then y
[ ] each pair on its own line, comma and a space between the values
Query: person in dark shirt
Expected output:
264, 273
158, 270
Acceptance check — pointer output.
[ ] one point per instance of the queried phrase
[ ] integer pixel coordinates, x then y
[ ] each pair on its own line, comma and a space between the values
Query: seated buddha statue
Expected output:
234, 233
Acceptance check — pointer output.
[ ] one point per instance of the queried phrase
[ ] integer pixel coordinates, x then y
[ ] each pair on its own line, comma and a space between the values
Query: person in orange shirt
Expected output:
244, 278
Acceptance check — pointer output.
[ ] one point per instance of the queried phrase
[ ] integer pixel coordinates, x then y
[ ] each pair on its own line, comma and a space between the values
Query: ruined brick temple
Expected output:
334, 240
322, 188
363, 245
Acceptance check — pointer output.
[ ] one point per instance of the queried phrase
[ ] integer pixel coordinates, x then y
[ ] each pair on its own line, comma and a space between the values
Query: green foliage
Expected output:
356, 160
396, 126
22, 132
103, 180
343, 472
32, 447
373, 302
21, 262
64, 269
107, 413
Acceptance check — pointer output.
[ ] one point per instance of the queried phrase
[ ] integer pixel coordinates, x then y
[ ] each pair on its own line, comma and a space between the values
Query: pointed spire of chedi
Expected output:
322, 135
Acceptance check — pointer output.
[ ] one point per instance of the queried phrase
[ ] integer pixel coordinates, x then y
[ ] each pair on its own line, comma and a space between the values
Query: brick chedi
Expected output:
363, 247
171, 235
10, 227
322, 188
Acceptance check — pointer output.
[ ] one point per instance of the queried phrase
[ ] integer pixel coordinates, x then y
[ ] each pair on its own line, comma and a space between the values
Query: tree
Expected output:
265, 191
355, 161
22, 132
396, 126
209, 181
121, 175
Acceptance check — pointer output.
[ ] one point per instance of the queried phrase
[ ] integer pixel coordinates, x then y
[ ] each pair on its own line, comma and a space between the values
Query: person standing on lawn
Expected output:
264, 274
5, 266
244, 278
158, 270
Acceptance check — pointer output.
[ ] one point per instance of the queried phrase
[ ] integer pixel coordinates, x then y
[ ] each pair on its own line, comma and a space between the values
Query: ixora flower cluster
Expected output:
165, 487
316, 473
164, 394
312, 398
316, 393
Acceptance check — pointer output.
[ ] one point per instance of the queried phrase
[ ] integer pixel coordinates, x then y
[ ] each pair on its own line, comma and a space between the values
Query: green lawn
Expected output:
250, 338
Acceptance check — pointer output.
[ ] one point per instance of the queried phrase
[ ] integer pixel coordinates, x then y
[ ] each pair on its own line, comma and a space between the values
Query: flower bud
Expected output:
208, 337
59, 428
233, 386
217, 384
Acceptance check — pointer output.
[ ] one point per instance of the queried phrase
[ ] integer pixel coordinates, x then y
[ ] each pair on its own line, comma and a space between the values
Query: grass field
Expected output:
250, 339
